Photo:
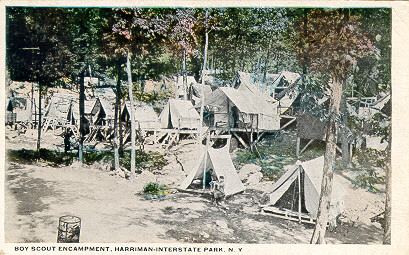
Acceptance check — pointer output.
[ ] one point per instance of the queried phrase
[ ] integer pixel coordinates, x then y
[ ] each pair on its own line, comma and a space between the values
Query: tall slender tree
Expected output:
332, 43
181, 36
133, 29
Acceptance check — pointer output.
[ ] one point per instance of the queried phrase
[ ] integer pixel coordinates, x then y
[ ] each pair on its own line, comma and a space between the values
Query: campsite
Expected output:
147, 127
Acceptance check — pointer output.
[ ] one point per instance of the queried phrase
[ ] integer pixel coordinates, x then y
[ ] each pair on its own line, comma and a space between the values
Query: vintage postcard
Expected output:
202, 128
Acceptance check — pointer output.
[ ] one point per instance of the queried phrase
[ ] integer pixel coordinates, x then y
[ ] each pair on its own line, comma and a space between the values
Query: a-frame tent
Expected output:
301, 185
144, 114
220, 161
179, 114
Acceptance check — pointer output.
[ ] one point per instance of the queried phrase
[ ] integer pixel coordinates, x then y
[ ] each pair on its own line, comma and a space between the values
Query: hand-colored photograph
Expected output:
188, 125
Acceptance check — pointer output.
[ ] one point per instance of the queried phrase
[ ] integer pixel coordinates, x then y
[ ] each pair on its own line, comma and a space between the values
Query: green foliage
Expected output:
151, 188
369, 158
150, 97
331, 41
37, 48
274, 156
365, 169
373, 74
378, 125
256, 40
369, 180
144, 160
90, 157
154, 190
51, 157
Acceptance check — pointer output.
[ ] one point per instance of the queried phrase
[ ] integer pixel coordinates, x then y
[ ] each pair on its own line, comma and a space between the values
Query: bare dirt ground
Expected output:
113, 209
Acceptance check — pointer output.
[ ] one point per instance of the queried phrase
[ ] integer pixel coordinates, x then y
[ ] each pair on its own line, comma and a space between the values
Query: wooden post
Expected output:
132, 115
299, 192
251, 132
205, 161
81, 120
202, 91
228, 113
39, 118
297, 150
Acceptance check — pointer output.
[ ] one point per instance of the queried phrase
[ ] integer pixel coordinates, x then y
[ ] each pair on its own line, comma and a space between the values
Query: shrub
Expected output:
53, 158
154, 190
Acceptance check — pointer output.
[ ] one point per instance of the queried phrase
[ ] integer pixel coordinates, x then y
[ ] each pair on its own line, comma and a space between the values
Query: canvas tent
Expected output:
59, 111
179, 114
64, 110
246, 84
103, 112
195, 92
235, 108
285, 192
17, 110
145, 116
220, 161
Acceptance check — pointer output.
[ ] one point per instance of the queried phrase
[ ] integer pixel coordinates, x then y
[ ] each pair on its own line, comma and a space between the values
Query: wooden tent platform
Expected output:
288, 214
196, 192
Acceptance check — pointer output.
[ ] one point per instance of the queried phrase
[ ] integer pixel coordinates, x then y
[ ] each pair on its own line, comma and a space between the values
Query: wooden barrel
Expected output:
69, 229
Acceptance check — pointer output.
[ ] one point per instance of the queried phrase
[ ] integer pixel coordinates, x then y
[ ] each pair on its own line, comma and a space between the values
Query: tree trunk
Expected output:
265, 62
202, 91
117, 110
81, 120
32, 105
388, 193
39, 118
184, 75
344, 134
132, 116
330, 150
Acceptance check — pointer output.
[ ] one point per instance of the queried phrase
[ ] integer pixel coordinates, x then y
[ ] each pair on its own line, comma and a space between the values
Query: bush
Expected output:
369, 180
154, 190
53, 158
151, 188
145, 160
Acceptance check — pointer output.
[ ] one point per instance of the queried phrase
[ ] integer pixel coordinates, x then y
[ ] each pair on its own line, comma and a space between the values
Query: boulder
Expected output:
254, 179
247, 170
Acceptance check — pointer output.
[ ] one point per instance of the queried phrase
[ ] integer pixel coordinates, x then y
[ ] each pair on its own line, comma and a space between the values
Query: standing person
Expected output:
67, 143
218, 190
209, 178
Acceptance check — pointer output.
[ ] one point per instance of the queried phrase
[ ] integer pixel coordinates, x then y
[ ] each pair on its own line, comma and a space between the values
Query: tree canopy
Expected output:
58, 42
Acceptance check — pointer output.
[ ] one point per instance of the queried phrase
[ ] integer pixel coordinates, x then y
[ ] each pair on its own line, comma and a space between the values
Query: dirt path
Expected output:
113, 210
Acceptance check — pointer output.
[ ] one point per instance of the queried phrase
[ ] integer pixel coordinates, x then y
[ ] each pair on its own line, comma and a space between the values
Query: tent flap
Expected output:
220, 161
313, 170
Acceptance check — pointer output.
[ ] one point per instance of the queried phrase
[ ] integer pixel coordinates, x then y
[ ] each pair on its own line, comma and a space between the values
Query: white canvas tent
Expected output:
311, 177
247, 84
236, 108
145, 116
179, 114
103, 112
195, 92
58, 111
220, 161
